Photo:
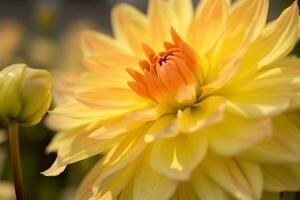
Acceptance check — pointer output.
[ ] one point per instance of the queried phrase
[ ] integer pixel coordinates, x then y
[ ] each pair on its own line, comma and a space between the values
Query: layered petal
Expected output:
267, 94
245, 16
275, 42
284, 177
282, 147
235, 134
177, 157
93, 42
109, 98
151, 185
130, 26
241, 179
117, 159
206, 188
208, 25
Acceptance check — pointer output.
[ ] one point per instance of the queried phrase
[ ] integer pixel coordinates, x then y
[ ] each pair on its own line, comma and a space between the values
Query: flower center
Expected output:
168, 77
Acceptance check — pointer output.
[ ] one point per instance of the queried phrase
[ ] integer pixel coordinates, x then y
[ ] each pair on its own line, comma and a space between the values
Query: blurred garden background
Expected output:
45, 34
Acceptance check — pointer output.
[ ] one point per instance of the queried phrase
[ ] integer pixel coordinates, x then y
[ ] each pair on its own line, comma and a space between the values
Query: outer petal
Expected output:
109, 98
282, 147
115, 160
265, 95
110, 189
93, 42
177, 157
130, 26
75, 149
161, 19
208, 25
208, 111
242, 179
244, 16
206, 188
235, 134
110, 67
275, 42
183, 11
150, 185
278, 178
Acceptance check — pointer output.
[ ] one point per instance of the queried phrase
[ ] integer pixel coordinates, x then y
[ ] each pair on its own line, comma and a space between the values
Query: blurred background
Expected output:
45, 34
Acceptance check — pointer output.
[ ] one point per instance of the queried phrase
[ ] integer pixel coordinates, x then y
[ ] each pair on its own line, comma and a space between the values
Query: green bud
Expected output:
25, 94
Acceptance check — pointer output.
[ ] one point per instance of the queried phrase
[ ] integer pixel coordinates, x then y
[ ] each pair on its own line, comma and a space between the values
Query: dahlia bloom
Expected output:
186, 104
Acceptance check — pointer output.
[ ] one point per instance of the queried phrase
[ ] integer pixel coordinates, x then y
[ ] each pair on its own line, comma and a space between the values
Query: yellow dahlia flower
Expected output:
186, 105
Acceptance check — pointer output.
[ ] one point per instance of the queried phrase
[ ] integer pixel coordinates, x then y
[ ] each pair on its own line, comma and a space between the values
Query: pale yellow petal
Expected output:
206, 188
282, 147
161, 19
92, 42
115, 127
109, 98
246, 16
279, 178
276, 41
183, 11
241, 179
151, 185
166, 126
75, 149
266, 95
208, 25
108, 190
177, 157
115, 160
207, 112
130, 26
235, 134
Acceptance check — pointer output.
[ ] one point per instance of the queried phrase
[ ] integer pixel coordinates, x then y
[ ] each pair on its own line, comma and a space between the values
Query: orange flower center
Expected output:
169, 75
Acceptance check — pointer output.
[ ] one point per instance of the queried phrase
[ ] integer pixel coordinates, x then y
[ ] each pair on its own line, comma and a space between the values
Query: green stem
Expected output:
15, 158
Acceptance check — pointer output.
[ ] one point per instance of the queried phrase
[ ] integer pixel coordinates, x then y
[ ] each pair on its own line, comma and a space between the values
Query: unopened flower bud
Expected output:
25, 94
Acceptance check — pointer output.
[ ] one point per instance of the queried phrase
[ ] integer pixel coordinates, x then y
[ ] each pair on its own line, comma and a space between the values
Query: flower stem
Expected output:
15, 158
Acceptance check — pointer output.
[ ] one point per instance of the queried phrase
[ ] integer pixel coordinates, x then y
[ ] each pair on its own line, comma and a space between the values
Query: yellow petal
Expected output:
279, 178
276, 41
185, 191
241, 179
183, 11
75, 149
115, 127
166, 126
282, 147
177, 157
146, 114
208, 111
206, 188
104, 191
130, 26
161, 19
243, 16
235, 134
266, 95
150, 185
93, 42
208, 25
113, 162
109, 98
